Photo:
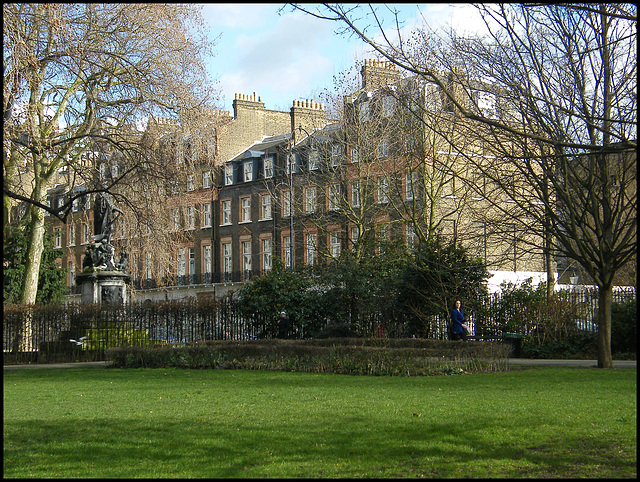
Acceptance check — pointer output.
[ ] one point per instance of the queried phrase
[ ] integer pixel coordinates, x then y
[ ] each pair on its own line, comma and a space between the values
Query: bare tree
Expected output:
78, 79
564, 119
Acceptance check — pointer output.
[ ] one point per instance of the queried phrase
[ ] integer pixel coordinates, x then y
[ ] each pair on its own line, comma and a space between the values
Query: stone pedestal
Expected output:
108, 287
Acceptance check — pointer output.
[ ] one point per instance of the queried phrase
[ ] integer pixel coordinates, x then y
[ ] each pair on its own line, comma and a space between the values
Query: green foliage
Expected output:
278, 290
577, 346
442, 273
357, 291
102, 338
624, 328
51, 282
527, 310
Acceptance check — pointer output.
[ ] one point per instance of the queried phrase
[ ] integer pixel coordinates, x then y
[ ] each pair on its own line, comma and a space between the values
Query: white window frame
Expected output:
246, 256
247, 171
383, 190
310, 245
411, 180
245, 209
268, 167
314, 159
336, 155
148, 266
286, 203
71, 235
355, 155
355, 194
266, 254
227, 258
181, 265
191, 218
228, 174
86, 237
206, 258
266, 207
206, 180
383, 148
334, 244
286, 246
355, 235
57, 238
191, 185
192, 262
226, 212
334, 197
176, 219
310, 200
206, 215
410, 235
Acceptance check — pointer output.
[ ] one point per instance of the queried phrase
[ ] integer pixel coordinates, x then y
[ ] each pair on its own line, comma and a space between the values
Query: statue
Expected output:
124, 260
87, 262
103, 218
100, 255
103, 279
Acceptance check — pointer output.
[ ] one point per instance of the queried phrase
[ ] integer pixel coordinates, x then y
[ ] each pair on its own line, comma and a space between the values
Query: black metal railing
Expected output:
84, 331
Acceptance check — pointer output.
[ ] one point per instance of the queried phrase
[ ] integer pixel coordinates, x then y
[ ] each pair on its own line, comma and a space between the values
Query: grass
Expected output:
95, 422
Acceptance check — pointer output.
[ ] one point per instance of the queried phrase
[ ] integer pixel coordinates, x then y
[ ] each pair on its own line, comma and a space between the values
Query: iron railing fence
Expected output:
83, 331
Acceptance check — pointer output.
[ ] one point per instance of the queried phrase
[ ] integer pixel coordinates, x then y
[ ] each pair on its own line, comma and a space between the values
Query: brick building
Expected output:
297, 186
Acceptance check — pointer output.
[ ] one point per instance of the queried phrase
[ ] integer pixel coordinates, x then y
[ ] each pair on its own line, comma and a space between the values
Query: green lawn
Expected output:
97, 422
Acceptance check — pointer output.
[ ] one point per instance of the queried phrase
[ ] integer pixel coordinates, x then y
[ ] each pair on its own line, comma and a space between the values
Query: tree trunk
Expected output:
35, 248
605, 301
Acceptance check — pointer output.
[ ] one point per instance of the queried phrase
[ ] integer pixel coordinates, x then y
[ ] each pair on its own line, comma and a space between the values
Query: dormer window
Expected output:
291, 164
228, 174
248, 171
268, 167
314, 160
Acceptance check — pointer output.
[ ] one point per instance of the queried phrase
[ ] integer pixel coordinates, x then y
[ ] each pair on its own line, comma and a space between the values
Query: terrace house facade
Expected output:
296, 186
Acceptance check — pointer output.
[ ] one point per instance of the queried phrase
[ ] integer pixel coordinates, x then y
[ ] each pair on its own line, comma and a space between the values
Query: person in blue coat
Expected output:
458, 325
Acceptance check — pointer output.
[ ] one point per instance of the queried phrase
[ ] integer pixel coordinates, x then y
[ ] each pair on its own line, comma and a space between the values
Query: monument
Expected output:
103, 279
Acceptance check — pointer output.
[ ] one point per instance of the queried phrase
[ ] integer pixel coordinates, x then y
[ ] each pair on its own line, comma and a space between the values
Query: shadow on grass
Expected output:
348, 446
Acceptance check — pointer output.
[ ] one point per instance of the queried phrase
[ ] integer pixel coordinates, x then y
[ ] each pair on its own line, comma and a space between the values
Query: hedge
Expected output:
355, 356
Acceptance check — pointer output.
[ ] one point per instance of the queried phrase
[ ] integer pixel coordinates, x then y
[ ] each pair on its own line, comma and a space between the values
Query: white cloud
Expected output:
284, 60
289, 55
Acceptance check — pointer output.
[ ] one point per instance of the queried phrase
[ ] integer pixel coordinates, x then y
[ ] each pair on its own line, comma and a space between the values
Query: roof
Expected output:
257, 149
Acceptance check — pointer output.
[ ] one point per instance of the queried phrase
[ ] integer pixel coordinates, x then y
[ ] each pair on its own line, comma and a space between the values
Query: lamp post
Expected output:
574, 281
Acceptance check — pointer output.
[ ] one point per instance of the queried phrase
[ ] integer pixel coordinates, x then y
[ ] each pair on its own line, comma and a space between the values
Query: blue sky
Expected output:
291, 55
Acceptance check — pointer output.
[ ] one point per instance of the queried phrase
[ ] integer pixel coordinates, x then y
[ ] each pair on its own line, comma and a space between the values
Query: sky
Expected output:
286, 56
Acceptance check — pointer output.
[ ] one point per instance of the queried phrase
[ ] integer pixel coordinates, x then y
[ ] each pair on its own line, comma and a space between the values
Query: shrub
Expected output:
624, 328
354, 356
